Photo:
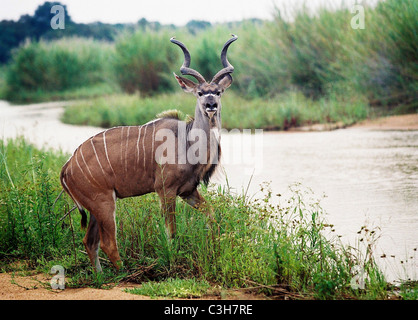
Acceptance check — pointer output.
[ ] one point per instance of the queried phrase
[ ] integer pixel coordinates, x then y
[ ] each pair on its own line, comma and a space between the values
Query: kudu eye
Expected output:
218, 93
200, 93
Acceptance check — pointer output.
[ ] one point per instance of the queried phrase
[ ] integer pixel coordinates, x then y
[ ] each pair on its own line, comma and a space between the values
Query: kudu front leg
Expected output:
197, 201
168, 208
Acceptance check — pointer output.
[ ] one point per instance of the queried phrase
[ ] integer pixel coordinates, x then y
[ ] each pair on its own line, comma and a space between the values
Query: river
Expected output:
369, 176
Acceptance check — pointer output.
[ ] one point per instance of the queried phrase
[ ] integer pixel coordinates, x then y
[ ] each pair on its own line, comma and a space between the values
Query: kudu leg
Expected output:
168, 208
91, 242
105, 216
197, 201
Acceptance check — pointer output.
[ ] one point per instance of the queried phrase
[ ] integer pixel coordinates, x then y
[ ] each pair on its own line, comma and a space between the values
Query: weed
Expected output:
173, 288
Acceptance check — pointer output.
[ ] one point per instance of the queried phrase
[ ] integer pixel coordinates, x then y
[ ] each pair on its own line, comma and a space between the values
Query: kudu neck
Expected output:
203, 122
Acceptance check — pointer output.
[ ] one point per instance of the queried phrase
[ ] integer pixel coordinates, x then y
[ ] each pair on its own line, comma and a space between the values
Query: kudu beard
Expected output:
195, 147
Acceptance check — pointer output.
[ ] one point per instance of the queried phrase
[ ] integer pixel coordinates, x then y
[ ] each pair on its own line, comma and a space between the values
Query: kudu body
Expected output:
120, 162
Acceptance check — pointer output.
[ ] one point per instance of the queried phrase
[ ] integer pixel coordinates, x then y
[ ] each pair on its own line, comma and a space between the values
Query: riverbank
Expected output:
40, 124
398, 122
283, 112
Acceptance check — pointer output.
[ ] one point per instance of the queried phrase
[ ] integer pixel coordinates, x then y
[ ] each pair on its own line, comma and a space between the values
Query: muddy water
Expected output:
369, 177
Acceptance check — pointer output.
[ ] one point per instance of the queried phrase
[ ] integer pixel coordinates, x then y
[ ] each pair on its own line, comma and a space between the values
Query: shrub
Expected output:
30, 228
144, 62
57, 66
381, 60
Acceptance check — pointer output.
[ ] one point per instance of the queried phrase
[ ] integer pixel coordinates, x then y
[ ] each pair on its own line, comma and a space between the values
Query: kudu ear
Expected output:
226, 81
186, 84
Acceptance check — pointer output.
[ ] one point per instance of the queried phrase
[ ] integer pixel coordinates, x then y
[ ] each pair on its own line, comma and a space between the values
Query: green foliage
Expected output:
143, 62
320, 54
381, 60
57, 66
125, 109
194, 26
173, 288
29, 226
282, 112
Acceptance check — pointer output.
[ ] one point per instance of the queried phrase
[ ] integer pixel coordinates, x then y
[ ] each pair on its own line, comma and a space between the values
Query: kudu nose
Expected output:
211, 106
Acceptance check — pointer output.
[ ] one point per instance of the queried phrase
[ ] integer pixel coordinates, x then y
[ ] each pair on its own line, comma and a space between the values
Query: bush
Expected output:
289, 54
321, 55
30, 228
145, 61
381, 60
57, 66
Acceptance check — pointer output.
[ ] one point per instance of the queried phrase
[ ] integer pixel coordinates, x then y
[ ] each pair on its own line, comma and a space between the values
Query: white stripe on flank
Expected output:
143, 144
121, 153
82, 156
126, 150
78, 164
107, 155
97, 157
153, 136
137, 145
71, 195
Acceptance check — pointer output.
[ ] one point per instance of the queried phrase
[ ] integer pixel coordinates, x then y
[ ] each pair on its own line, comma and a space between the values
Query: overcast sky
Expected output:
178, 12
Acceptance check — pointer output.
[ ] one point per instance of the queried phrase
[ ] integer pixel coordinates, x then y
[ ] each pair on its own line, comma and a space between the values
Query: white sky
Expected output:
178, 12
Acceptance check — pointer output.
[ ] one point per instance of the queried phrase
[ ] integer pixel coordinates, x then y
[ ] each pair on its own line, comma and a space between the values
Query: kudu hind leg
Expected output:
91, 242
105, 215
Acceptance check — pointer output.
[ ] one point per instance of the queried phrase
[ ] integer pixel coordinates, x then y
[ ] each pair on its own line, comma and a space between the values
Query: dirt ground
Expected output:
37, 287
401, 122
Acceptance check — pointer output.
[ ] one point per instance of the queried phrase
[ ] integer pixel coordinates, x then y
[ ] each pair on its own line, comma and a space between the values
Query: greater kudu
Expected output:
121, 162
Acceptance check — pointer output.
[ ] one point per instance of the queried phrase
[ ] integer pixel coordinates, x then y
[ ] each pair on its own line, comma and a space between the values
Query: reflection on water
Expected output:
368, 177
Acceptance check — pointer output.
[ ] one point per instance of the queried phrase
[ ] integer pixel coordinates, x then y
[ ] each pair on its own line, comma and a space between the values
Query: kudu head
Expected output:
208, 94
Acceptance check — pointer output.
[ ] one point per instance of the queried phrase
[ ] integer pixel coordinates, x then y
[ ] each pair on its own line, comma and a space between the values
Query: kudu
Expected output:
120, 162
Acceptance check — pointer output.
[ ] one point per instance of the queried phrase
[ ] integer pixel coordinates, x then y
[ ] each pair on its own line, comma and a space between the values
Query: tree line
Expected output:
37, 26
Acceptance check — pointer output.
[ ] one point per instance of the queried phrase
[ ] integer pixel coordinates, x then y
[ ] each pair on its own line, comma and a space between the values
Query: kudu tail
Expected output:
83, 218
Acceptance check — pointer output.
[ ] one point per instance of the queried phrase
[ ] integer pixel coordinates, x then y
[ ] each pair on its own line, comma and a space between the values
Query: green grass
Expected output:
173, 288
29, 227
251, 242
279, 113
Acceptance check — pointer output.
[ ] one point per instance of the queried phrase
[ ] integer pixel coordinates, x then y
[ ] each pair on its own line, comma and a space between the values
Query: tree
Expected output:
41, 20
194, 26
